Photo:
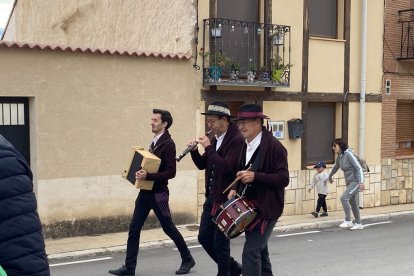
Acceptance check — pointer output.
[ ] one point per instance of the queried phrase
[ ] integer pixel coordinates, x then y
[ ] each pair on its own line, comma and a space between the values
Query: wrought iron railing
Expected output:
240, 53
406, 19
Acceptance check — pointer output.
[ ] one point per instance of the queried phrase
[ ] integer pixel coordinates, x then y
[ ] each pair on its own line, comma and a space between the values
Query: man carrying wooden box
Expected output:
156, 199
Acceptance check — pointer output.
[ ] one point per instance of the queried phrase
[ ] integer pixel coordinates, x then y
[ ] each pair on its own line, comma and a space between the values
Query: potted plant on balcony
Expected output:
214, 63
279, 68
234, 71
217, 63
251, 73
264, 74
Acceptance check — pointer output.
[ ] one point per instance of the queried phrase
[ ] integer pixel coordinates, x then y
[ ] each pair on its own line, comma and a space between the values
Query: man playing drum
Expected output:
220, 164
263, 184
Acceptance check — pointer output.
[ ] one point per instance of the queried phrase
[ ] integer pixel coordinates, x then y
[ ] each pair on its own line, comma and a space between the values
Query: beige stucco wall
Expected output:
158, 25
86, 112
291, 15
326, 65
375, 26
372, 152
284, 111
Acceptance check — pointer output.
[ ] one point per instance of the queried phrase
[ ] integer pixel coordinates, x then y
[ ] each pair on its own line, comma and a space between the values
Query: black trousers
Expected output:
158, 202
256, 261
214, 242
321, 203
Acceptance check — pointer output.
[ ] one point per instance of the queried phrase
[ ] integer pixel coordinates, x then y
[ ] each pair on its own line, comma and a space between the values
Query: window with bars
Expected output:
11, 114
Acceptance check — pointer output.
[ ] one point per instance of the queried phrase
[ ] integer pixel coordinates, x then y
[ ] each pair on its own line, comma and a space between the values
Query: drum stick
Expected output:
235, 180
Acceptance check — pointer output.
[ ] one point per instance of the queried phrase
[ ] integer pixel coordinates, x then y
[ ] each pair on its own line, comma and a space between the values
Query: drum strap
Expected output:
254, 164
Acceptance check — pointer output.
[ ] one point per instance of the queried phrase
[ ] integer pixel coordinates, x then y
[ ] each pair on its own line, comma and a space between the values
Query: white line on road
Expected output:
193, 246
297, 234
377, 223
84, 261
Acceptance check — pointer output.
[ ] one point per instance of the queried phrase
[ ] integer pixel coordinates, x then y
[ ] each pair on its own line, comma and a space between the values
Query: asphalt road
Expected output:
385, 248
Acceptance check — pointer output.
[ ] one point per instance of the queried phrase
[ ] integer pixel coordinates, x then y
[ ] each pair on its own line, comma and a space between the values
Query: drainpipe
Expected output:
361, 140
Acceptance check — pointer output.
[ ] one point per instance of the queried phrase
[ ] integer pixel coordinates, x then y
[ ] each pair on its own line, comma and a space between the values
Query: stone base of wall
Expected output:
386, 184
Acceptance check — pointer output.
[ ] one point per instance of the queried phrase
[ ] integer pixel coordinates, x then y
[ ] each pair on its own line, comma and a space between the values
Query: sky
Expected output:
5, 9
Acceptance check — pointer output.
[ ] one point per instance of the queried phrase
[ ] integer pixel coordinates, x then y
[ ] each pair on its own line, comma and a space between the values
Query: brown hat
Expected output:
250, 111
219, 109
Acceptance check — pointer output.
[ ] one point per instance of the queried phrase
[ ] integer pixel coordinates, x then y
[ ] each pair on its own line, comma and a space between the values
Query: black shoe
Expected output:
315, 214
185, 267
122, 271
324, 214
236, 269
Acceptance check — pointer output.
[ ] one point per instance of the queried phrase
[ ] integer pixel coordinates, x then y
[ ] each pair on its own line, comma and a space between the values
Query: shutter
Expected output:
320, 131
405, 123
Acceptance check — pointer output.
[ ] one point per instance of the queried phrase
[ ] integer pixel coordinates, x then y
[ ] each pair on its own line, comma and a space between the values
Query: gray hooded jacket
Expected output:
349, 164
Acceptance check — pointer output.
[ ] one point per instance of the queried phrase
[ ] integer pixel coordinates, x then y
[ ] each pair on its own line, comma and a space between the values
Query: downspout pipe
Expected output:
361, 138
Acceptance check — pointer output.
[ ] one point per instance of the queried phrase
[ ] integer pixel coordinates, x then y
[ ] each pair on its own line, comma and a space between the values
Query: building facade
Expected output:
92, 72
397, 146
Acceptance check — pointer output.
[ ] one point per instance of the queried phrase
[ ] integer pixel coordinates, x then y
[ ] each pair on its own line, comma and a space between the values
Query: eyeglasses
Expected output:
242, 123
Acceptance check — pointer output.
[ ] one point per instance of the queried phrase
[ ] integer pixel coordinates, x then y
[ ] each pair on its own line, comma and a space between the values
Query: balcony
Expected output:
240, 53
406, 19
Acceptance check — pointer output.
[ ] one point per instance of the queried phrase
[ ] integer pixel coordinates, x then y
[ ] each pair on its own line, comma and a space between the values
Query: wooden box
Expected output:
141, 159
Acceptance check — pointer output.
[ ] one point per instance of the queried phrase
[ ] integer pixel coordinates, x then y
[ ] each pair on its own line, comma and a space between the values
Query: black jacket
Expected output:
224, 161
165, 150
271, 178
22, 247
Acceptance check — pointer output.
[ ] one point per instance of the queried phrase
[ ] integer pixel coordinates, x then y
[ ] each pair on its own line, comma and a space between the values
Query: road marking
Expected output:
377, 223
297, 234
84, 261
193, 246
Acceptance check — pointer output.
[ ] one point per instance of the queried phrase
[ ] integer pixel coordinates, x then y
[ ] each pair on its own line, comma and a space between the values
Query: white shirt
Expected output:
156, 138
220, 141
252, 146
320, 181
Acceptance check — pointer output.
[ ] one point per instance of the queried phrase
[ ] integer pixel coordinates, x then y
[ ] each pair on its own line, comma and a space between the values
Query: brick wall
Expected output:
399, 72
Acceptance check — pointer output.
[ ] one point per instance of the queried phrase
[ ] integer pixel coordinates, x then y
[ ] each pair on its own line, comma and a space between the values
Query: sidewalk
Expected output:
154, 238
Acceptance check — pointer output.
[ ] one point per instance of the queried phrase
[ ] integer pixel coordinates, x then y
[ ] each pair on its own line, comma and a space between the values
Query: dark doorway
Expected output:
14, 123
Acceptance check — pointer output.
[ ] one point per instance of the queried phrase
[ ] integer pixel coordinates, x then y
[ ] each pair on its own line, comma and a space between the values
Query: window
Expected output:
323, 16
239, 43
405, 127
320, 129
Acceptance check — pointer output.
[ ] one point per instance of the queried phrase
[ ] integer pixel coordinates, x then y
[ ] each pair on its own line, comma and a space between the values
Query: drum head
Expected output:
241, 224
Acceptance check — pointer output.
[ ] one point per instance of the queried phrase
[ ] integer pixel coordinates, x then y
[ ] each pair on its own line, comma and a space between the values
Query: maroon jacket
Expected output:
165, 150
224, 160
272, 176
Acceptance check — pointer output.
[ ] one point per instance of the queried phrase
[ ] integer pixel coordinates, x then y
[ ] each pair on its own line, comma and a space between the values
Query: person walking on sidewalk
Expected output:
22, 247
320, 181
219, 161
263, 174
156, 199
354, 179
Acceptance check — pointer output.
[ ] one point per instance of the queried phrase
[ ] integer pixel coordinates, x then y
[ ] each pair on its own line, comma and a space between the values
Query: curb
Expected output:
193, 240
